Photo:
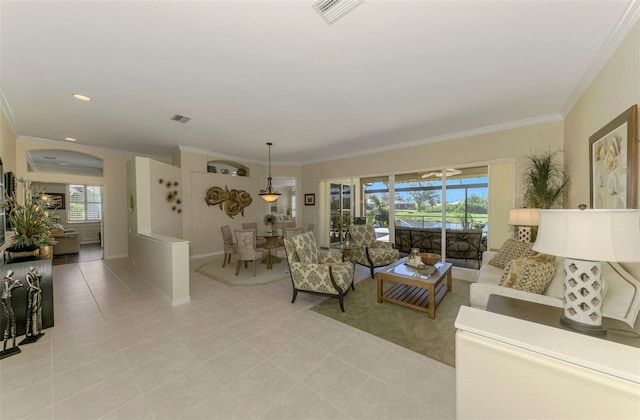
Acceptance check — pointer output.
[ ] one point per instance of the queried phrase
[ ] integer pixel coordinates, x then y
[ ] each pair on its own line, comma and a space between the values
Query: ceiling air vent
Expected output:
181, 119
332, 10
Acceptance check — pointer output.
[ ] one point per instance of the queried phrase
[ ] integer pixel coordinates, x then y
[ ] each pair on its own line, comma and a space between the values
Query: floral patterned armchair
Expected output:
371, 252
316, 271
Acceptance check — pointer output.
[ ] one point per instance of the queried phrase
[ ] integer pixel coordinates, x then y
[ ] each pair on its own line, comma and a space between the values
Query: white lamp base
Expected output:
583, 296
524, 234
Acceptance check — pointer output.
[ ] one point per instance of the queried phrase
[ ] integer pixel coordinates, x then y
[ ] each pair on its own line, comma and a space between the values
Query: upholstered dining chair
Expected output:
317, 271
254, 226
230, 247
370, 252
246, 242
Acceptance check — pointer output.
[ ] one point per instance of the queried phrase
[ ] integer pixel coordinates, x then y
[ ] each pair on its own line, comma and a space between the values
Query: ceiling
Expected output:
388, 74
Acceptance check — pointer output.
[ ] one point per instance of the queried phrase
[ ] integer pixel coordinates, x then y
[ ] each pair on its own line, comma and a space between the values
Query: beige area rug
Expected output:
227, 275
409, 328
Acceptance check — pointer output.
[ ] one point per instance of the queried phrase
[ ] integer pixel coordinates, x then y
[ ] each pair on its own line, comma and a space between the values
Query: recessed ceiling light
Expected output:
63, 164
81, 97
70, 139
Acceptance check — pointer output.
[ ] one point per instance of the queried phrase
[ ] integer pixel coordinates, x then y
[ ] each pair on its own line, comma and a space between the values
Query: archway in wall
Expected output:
83, 201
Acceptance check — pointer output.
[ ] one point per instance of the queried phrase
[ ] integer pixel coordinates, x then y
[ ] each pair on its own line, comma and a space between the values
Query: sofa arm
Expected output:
479, 295
487, 255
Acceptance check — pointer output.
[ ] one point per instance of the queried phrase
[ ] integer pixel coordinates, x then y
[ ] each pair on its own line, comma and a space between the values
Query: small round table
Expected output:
346, 249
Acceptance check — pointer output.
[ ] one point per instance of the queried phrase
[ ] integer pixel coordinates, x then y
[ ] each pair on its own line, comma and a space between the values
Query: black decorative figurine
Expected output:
8, 284
33, 330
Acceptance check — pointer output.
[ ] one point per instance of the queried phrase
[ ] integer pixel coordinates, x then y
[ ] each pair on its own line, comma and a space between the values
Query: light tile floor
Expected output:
120, 351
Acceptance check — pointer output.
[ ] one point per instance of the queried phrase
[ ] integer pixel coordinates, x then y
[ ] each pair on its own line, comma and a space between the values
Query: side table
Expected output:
550, 316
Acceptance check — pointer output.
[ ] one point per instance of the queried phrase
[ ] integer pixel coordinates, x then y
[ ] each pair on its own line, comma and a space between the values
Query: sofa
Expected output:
461, 243
67, 241
621, 293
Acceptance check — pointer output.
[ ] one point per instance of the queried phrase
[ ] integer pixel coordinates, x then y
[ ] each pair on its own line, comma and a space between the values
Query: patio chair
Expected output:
317, 271
368, 251
246, 242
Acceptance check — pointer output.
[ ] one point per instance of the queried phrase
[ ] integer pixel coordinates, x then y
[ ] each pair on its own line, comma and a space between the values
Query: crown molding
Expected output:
454, 136
70, 145
8, 114
604, 54
222, 156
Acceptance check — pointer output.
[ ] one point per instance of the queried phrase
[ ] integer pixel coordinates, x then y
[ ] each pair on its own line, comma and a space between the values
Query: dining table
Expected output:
271, 238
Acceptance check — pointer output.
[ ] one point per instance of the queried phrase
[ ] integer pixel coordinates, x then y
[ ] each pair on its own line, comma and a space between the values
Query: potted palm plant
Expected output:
30, 220
546, 184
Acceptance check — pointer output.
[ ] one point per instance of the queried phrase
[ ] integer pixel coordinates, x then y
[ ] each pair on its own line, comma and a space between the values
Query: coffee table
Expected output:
420, 289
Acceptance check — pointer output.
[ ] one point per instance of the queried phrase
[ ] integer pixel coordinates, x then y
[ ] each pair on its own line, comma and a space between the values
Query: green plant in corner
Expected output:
546, 184
29, 219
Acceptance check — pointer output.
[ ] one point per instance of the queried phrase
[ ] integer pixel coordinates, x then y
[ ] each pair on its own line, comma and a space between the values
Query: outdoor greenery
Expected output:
377, 212
29, 218
546, 184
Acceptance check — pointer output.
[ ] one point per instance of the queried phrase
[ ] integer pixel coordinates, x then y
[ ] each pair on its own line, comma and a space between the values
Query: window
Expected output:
85, 203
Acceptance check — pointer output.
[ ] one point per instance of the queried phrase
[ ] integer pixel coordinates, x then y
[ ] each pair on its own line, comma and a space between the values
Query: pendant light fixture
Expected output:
268, 194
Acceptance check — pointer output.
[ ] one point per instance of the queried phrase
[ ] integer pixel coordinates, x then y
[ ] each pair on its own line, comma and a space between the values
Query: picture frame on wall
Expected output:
613, 157
309, 199
55, 201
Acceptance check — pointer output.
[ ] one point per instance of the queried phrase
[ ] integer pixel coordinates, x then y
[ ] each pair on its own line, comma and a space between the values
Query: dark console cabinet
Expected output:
19, 299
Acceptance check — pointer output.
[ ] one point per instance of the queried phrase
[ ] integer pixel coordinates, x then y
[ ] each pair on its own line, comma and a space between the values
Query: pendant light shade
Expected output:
269, 194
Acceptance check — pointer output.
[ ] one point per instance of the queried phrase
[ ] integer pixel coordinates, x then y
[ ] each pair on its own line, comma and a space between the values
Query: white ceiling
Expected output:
248, 72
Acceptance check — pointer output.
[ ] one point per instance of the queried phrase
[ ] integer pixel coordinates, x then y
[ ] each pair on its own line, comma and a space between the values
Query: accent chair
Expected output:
317, 271
371, 252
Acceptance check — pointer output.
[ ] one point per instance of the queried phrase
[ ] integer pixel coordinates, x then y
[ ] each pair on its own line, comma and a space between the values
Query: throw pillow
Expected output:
510, 250
530, 274
305, 246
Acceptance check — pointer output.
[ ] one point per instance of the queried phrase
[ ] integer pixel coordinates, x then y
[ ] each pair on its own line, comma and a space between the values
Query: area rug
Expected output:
409, 328
227, 275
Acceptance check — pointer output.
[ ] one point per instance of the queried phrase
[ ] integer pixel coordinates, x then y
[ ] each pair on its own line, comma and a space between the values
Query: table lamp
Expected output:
524, 219
585, 238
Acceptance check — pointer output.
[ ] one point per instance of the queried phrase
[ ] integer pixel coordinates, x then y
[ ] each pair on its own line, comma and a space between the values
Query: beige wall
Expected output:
7, 146
511, 145
615, 89
201, 223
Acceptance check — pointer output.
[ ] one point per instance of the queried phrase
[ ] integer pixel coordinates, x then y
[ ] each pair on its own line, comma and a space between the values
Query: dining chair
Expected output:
246, 242
288, 233
254, 226
311, 228
230, 247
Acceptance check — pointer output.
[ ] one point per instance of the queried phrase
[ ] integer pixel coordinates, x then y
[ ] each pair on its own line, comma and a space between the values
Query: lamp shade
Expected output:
523, 217
594, 235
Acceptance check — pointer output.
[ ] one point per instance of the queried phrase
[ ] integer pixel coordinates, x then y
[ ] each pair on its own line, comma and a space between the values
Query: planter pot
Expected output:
22, 253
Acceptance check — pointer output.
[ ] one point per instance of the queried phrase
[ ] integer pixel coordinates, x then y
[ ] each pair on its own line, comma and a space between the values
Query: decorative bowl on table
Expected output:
429, 258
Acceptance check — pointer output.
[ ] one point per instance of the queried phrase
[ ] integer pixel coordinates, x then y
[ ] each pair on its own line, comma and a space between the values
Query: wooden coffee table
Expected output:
420, 289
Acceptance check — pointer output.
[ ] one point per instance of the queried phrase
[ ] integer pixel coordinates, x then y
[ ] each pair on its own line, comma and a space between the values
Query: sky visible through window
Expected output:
454, 195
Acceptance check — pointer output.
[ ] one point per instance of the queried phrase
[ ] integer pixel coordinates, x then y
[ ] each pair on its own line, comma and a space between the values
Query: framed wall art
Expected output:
55, 201
613, 157
309, 199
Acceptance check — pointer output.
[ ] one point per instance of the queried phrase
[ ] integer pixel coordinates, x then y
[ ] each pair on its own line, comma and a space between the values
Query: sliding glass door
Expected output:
340, 213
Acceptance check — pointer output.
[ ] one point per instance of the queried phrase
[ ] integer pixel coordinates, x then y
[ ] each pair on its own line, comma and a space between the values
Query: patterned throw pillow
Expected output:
305, 246
530, 274
510, 250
